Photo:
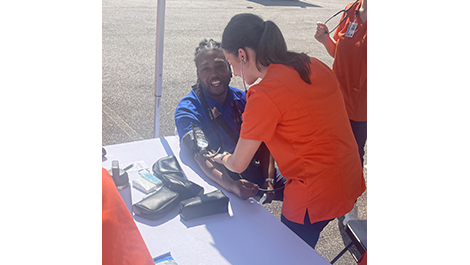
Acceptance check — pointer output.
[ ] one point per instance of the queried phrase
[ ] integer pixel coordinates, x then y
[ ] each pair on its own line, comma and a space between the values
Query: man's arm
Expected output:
187, 123
216, 172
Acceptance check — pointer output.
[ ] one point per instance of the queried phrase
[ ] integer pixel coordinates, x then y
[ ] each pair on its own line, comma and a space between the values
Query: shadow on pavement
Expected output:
283, 3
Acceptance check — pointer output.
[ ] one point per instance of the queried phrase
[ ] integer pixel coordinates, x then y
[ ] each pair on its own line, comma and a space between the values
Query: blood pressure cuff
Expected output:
204, 205
169, 171
157, 204
189, 142
191, 138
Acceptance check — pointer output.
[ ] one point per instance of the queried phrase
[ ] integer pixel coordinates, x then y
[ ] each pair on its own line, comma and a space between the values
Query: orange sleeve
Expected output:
259, 125
121, 239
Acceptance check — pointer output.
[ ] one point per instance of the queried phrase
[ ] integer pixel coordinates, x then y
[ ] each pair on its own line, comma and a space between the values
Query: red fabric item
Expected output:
363, 260
350, 65
121, 239
308, 132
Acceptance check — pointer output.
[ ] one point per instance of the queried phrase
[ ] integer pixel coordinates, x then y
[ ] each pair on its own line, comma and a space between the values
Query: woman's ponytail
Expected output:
271, 46
266, 39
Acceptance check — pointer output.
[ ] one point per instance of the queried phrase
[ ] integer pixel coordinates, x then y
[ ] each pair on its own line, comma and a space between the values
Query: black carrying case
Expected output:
167, 165
169, 171
175, 189
157, 204
203, 205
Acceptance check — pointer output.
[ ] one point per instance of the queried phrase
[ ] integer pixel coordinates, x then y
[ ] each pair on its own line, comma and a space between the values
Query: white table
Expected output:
249, 234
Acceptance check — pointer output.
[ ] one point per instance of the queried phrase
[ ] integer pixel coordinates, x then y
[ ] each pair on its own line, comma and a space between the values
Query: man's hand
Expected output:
270, 195
244, 189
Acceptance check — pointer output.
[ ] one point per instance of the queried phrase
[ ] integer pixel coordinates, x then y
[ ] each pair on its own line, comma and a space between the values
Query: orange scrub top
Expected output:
350, 65
307, 130
121, 240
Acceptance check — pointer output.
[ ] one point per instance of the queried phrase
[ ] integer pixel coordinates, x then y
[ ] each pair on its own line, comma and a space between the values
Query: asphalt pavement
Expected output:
128, 67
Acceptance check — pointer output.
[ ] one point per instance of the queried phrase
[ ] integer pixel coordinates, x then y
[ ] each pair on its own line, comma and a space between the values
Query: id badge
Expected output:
352, 29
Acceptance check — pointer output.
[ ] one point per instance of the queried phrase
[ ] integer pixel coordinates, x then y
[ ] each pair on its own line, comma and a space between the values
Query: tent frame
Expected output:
159, 64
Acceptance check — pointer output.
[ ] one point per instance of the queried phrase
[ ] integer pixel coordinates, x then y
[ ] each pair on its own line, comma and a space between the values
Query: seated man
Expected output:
213, 110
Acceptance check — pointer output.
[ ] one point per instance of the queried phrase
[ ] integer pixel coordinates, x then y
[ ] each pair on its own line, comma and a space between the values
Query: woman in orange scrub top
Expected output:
298, 110
349, 48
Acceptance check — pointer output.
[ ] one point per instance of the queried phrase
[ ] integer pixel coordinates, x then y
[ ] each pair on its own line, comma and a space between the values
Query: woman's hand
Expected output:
322, 34
218, 158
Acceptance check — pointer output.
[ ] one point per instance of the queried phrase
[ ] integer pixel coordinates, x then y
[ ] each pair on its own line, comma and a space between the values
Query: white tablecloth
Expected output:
249, 234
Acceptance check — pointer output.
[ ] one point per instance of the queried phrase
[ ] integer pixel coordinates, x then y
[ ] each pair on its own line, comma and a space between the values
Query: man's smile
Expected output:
216, 83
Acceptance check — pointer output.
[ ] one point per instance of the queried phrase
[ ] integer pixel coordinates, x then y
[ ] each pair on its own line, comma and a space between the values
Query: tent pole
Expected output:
159, 63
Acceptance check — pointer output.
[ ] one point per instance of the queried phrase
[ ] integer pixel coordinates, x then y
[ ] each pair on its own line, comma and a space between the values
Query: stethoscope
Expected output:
246, 90
202, 144
241, 69
337, 13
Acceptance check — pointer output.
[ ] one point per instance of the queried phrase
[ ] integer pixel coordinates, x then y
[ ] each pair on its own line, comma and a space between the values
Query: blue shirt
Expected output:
190, 110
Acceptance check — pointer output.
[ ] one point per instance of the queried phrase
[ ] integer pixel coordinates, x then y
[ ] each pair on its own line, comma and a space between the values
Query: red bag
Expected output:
122, 242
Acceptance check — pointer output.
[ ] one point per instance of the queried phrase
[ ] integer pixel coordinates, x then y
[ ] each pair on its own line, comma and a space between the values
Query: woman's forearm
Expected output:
241, 157
330, 46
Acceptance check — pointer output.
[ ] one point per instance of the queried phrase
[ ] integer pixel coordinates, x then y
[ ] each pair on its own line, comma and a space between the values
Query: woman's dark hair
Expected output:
265, 38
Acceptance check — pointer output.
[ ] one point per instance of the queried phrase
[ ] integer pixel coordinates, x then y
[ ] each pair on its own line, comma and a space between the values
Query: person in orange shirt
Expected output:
297, 109
349, 48
122, 242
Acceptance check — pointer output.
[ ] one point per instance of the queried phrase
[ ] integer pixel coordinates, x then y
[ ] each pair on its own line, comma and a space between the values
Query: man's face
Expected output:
213, 73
